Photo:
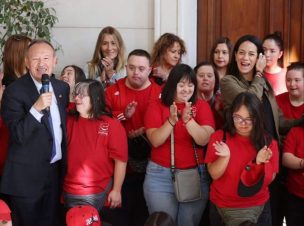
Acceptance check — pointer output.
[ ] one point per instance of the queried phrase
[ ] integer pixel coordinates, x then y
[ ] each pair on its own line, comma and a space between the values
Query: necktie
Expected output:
53, 135
48, 114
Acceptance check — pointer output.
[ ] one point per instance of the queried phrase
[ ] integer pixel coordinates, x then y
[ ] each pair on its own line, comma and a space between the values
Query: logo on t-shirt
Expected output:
103, 128
193, 110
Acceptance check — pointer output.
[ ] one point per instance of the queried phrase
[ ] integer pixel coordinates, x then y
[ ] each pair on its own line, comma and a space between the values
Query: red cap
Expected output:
83, 216
5, 212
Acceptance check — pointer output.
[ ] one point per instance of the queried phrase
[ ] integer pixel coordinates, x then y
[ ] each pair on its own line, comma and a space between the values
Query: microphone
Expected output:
45, 80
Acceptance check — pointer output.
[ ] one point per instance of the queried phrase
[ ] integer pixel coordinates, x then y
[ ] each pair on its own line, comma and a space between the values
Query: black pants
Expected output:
278, 201
40, 210
295, 210
134, 211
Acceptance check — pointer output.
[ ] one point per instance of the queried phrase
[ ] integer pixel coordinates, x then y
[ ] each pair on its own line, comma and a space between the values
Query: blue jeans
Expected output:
160, 196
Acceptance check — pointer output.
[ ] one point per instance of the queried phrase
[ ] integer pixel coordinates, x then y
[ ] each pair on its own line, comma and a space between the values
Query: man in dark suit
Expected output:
37, 148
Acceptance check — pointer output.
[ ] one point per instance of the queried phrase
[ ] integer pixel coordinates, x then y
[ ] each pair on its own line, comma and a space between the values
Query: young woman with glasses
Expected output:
245, 156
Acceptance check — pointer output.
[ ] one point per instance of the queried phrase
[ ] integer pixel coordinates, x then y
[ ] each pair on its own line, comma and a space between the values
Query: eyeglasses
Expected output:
238, 119
79, 95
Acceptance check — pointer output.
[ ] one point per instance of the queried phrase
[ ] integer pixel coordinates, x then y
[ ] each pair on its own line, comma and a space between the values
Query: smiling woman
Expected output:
192, 123
245, 74
107, 63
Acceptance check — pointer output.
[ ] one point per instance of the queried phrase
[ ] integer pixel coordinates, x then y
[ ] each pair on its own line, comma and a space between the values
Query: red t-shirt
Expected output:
118, 96
294, 143
92, 147
289, 110
156, 116
223, 191
217, 107
277, 81
3, 144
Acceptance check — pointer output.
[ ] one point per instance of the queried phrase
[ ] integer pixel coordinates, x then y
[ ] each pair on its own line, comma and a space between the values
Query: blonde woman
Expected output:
107, 63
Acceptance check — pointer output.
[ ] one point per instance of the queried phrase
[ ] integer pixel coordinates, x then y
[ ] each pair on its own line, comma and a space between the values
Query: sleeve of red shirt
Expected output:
204, 115
110, 99
118, 146
290, 141
153, 115
210, 154
273, 165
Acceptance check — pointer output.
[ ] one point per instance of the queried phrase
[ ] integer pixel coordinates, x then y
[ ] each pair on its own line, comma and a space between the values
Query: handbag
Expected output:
186, 182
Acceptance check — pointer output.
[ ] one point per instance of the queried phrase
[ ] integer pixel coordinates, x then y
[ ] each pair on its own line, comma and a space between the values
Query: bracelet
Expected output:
170, 123
185, 123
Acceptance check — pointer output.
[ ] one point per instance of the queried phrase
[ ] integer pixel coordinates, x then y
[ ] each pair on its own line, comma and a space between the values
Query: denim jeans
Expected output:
160, 196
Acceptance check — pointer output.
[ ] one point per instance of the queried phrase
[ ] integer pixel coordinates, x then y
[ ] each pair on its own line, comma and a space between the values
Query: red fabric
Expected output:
155, 117
3, 144
92, 147
71, 106
223, 191
294, 143
83, 215
289, 111
216, 108
119, 96
277, 81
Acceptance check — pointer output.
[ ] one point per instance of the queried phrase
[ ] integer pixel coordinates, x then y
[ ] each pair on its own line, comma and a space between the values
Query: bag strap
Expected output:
172, 167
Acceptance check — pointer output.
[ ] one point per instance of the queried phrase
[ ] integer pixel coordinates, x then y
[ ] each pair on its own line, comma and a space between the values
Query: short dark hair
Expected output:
178, 72
232, 67
140, 52
95, 91
299, 66
259, 137
216, 75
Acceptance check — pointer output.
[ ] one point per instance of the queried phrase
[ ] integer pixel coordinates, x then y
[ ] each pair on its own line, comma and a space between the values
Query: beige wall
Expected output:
81, 21
140, 23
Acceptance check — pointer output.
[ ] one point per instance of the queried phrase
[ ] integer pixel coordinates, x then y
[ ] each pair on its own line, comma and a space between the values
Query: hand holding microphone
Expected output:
45, 99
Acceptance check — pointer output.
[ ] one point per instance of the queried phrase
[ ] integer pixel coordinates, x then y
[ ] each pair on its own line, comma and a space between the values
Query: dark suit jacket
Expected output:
26, 169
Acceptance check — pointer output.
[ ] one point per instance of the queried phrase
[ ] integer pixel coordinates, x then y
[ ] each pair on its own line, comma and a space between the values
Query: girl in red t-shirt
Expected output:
97, 150
190, 121
242, 162
273, 47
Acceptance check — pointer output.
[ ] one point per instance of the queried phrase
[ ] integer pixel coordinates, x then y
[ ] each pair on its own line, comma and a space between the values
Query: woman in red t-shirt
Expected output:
97, 150
191, 121
242, 161
293, 159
